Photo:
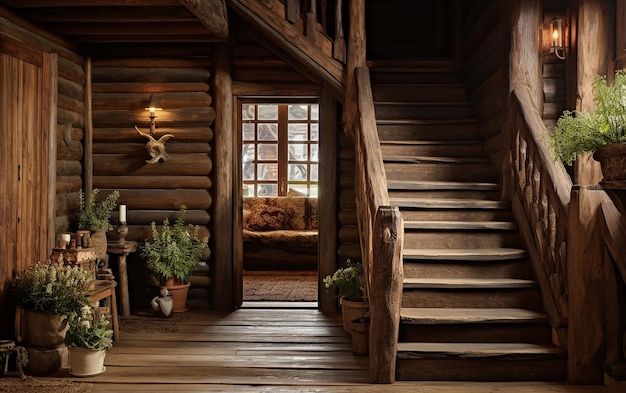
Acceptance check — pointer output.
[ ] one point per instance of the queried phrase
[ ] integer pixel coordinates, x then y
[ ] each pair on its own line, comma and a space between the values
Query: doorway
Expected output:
279, 147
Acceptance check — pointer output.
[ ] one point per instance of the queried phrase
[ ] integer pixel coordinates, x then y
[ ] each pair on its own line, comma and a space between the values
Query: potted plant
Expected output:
348, 281
88, 338
46, 294
172, 255
94, 217
602, 131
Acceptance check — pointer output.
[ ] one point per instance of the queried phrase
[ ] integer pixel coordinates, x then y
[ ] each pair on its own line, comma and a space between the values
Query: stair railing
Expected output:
539, 189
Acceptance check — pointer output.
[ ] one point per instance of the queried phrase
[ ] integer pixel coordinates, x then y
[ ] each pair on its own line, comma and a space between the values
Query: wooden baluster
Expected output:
292, 12
311, 22
339, 48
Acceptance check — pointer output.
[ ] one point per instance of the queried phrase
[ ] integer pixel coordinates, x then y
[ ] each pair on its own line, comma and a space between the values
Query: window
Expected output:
280, 148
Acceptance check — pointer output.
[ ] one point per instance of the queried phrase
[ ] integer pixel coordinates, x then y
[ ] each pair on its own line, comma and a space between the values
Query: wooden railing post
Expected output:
387, 275
339, 48
311, 22
586, 326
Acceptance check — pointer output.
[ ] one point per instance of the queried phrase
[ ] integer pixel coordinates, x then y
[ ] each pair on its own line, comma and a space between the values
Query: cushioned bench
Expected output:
280, 232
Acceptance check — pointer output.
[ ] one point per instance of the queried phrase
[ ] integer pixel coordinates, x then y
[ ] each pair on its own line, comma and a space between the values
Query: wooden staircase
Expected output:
471, 309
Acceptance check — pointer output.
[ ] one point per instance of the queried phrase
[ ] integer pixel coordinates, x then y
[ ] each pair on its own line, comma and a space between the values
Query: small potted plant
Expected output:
94, 217
602, 131
46, 294
348, 281
88, 338
172, 255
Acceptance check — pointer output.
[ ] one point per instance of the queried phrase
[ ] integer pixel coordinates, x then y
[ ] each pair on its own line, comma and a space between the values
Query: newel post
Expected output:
586, 335
386, 293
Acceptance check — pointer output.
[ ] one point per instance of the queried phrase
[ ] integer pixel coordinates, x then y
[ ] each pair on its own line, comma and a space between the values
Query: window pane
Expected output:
313, 193
315, 153
268, 132
248, 190
298, 152
300, 188
268, 112
267, 171
247, 111
298, 132
298, 112
297, 172
268, 190
315, 112
315, 132
268, 152
313, 172
247, 131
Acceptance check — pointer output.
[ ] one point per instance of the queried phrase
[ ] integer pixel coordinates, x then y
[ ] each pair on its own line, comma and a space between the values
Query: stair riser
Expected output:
379, 77
427, 132
471, 172
448, 150
539, 333
418, 93
520, 298
490, 195
459, 269
485, 369
417, 111
456, 215
466, 239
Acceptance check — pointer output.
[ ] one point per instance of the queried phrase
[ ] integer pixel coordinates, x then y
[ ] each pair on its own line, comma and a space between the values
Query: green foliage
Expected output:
52, 288
94, 216
175, 250
578, 132
348, 280
87, 330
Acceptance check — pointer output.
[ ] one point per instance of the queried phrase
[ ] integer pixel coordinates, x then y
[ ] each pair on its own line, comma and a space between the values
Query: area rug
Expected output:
42, 385
149, 322
284, 286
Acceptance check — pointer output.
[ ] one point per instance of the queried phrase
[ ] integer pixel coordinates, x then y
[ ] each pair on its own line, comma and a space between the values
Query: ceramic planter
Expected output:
612, 159
179, 293
85, 362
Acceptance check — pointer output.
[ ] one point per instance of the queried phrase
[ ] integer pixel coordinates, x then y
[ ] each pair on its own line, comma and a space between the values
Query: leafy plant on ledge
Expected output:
579, 132
348, 281
94, 216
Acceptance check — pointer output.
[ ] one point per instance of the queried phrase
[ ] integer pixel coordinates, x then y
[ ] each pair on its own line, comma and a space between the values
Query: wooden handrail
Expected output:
539, 189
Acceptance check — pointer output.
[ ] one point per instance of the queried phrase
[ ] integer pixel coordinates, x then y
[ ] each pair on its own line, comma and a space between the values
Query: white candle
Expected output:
66, 237
123, 214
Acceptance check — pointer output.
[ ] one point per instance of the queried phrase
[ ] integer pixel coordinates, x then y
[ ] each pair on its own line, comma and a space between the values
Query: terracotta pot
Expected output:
85, 362
612, 159
179, 293
351, 310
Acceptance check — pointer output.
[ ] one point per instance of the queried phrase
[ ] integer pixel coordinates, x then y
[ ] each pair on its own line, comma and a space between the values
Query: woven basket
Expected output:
98, 242
352, 310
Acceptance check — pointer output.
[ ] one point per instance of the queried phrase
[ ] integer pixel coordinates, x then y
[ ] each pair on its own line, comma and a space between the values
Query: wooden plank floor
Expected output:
260, 349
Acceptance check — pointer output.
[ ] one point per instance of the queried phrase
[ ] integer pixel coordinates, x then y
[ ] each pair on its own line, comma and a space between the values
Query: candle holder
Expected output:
122, 230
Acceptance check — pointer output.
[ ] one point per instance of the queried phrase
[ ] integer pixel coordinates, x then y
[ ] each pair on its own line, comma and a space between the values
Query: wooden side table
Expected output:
122, 250
106, 289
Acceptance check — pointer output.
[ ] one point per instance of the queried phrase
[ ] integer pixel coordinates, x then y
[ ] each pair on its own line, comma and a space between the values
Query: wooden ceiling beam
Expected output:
140, 28
87, 3
148, 49
111, 14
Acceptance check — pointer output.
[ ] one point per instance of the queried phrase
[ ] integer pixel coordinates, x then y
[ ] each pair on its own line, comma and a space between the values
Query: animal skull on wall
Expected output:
156, 148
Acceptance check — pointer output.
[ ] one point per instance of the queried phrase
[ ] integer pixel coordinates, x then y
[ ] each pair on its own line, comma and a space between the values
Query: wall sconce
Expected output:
556, 32
156, 148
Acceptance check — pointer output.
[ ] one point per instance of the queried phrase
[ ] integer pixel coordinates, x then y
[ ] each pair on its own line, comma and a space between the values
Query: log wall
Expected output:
484, 68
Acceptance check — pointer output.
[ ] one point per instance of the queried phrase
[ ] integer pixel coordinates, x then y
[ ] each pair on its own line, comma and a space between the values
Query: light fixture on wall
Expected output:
557, 39
156, 148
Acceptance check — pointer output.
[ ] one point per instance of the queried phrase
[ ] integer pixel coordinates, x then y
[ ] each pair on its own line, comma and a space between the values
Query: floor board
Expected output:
262, 350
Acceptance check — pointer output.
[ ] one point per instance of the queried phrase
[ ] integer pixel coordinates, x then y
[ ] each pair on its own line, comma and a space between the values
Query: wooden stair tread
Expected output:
432, 159
440, 185
462, 225
476, 350
464, 254
467, 283
469, 315
449, 203
422, 103
430, 143
465, 120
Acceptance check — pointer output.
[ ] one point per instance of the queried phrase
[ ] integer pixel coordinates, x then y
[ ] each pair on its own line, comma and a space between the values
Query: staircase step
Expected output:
440, 185
469, 254
431, 110
476, 350
445, 213
470, 315
413, 92
432, 148
440, 169
467, 283
448, 239
435, 159
470, 268
427, 130
415, 203
461, 225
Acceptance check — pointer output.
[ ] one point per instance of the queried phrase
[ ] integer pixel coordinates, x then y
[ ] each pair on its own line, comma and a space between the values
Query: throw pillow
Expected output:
266, 218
